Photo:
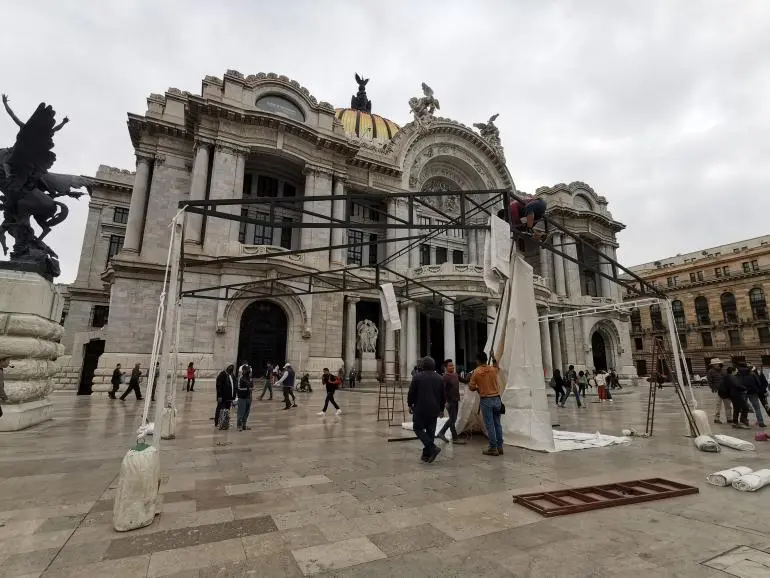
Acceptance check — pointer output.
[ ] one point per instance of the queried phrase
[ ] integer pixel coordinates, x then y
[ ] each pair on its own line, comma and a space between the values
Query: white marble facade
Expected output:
266, 136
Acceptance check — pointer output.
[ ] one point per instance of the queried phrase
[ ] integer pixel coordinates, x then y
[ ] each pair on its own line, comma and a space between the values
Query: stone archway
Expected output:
599, 348
604, 341
263, 335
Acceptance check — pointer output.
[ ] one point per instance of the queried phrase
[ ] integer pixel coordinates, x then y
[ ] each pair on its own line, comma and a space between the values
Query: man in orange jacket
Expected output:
484, 380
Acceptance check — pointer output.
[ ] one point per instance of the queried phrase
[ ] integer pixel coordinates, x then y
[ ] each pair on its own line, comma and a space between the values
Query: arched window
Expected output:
729, 309
656, 317
678, 310
702, 314
636, 320
758, 303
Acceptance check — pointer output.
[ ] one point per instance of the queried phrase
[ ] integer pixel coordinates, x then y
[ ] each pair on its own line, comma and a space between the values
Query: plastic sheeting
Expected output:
389, 306
727, 477
497, 254
137, 493
567, 440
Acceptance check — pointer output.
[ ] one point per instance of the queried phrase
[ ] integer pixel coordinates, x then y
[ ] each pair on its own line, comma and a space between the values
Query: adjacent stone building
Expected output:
266, 136
718, 300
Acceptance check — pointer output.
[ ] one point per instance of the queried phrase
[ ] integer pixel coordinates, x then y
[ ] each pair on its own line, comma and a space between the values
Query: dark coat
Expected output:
136, 376
749, 380
451, 387
224, 389
116, 375
245, 386
426, 394
762, 385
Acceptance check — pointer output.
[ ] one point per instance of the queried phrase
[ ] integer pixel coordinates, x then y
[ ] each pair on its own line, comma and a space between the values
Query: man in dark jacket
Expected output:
738, 397
117, 375
225, 391
287, 385
715, 375
133, 383
452, 395
426, 400
753, 390
245, 385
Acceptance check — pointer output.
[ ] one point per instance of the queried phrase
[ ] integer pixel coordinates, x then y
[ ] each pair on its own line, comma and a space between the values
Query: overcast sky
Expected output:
661, 106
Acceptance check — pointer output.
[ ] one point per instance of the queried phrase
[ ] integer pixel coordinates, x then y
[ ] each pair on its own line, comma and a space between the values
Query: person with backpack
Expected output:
243, 390
332, 383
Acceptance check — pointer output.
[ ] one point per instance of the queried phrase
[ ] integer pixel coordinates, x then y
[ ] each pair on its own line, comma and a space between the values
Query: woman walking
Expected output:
245, 385
191, 371
582, 383
332, 383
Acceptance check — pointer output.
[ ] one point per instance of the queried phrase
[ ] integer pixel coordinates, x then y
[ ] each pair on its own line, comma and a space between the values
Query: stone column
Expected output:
226, 183
411, 336
462, 343
606, 268
545, 347
556, 347
198, 191
558, 267
350, 334
390, 352
339, 256
617, 290
317, 183
403, 370
545, 267
450, 351
571, 268
136, 215
473, 250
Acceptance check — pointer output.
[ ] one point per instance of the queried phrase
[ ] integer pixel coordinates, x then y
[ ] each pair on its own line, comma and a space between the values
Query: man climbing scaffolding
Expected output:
529, 208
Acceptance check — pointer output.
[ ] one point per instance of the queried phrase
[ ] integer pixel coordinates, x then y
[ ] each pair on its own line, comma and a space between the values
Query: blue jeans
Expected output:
244, 408
490, 411
754, 400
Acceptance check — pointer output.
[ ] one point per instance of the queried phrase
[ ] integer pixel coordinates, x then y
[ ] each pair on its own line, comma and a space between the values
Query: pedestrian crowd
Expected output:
740, 390
577, 383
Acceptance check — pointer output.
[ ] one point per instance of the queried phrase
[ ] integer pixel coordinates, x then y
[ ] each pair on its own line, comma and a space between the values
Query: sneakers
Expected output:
500, 451
294, 405
761, 425
740, 426
321, 413
491, 452
338, 412
443, 439
434, 455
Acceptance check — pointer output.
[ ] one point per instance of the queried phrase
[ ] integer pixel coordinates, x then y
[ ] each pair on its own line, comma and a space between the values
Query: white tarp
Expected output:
389, 306
497, 254
567, 440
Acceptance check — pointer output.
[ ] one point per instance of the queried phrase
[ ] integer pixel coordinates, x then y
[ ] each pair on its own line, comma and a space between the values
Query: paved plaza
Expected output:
300, 495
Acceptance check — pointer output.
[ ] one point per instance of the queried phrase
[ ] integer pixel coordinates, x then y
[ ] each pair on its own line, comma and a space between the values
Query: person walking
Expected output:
133, 383
715, 375
613, 380
287, 384
737, 392
268, 386
245, 386
332, 383
750, 379
601, 386
557, 384
570, 382
352, 378
155, 380
763, 387
582, 383
484, 380
225, 395
117, 377
452, 395
191, 371
426, 401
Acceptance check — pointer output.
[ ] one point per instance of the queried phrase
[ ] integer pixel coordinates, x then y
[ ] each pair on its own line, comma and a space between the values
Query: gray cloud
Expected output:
663, 107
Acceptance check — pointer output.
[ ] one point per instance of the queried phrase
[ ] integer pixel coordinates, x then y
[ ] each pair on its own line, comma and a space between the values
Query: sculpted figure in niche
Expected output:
367, 336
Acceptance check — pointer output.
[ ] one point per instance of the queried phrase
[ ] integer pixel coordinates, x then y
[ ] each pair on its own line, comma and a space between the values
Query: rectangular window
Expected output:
374, 215
442, 223
373, 249
700, 275
286, 233
692, 277
120, 216
726, 270
99, 315
247, 181
359, 210
641, 367
688, 363
423, 221
424, 255
735, 337
289, 190
457, 257
764, 335
746, 267
672, 281
706, 338
717, 271
242, 226
267, 187
116, 244
356, 252
638, 343
441, 255
683, 340
754, 265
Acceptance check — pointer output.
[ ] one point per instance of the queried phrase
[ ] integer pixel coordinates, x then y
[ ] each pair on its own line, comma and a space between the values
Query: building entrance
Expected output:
262, 339
600, 351
91, 353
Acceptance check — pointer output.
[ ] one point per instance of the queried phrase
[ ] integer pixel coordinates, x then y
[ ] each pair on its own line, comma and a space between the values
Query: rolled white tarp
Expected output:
734, 443
389, 306
706, 444
753, 481
727, 477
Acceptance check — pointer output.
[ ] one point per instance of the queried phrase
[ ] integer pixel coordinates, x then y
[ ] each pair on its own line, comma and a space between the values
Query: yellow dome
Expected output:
366, 125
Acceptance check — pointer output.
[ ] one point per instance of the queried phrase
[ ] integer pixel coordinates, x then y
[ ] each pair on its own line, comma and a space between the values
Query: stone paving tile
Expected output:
282, 541
29, 562
132, 567
397, 542
195, 557
16, 528
336, 555
60, 523
188, 537
32, 542
262, 486
78, 555
278, 564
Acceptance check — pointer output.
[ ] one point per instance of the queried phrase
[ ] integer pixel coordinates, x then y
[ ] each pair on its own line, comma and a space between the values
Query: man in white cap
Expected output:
287, 384
715, 376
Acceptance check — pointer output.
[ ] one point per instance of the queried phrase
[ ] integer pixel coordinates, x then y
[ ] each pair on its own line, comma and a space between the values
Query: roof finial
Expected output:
360, 101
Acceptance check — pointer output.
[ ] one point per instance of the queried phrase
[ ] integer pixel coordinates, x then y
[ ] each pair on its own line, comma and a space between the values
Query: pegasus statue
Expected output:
423, 107
28, 191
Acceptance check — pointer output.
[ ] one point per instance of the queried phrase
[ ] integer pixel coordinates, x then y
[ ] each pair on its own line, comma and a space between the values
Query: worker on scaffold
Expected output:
525, 212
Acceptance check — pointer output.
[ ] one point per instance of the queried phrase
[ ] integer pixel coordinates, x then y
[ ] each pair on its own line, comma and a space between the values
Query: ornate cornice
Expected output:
231, 148
309, 169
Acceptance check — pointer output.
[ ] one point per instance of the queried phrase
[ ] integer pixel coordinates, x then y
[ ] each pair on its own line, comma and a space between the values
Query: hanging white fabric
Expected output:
497, 254
389, 306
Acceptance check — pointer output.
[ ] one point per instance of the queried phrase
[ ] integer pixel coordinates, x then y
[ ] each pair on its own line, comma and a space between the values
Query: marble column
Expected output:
545, 267
462, 343
606, 268
318, 182
411, 336
558, 267
571, 269
545, 349
226, 183
472, 247
450, 351
198, 191
617, 290
350, 334
403, 370
339, 256
135, 225
390, 352
398, 211
556, 347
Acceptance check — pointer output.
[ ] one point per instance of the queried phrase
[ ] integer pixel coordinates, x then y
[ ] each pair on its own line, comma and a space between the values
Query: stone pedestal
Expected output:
30, 311
368, 366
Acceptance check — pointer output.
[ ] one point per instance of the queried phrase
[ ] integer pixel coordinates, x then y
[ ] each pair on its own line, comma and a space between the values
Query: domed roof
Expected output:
366, 125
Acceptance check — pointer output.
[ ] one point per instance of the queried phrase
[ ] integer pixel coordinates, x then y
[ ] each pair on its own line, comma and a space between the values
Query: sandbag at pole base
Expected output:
168, 423
136, 499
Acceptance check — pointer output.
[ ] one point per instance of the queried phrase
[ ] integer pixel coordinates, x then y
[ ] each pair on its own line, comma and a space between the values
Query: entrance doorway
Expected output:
262, 339
600, 351
91, 353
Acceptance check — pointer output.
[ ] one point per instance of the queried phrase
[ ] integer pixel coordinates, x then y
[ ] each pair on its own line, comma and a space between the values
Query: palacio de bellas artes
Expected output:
265, 136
